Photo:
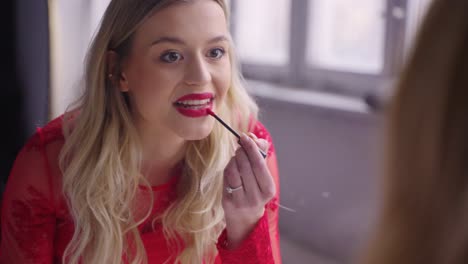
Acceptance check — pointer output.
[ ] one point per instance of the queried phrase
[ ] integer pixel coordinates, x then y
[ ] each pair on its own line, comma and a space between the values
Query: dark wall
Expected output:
11, 131
25, 76
32, 60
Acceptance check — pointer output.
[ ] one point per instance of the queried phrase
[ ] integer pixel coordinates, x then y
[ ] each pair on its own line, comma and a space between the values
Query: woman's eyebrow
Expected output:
175, 40
218, 39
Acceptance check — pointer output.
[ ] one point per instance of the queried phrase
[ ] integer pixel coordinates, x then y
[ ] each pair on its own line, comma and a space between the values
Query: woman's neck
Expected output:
162, 151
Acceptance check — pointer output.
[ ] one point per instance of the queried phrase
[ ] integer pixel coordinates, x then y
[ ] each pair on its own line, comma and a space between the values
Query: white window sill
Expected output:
309, 98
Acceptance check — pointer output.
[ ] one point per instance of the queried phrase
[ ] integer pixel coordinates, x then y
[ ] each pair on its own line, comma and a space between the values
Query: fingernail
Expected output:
246, 137
252, 135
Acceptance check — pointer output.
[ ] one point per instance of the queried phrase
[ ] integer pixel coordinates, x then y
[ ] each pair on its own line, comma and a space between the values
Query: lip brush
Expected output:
230, 129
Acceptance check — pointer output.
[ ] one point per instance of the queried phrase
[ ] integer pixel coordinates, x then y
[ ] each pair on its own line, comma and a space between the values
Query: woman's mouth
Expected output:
194, 105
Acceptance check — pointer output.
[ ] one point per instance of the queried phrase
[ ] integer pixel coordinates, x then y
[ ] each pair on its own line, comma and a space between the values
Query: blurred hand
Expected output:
252, 187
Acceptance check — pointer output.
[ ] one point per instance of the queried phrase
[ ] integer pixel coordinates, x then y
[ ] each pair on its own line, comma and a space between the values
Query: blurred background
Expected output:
321, 71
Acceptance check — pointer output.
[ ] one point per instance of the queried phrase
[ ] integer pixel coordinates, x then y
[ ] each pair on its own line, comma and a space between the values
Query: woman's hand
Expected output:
248, 186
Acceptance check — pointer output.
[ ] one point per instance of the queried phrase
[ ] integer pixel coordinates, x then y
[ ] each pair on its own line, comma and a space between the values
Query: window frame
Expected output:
299, 74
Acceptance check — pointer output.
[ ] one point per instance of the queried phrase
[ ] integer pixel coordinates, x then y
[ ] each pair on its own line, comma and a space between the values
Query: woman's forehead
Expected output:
183, 18
192, 21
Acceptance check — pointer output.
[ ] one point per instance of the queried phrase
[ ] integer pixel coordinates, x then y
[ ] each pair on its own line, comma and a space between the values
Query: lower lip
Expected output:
188, 112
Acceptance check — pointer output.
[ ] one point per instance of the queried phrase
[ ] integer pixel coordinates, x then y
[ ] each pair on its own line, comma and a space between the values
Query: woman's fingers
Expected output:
248, 181
259, 168
233, 180
248, 178
261, 143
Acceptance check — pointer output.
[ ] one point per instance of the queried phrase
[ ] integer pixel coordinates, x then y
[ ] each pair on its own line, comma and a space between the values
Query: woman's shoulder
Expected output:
35, 170
44, 147
37, 164
33, 192
44, 136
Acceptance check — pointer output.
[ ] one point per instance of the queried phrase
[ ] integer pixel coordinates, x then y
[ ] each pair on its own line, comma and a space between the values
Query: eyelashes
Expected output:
173, 56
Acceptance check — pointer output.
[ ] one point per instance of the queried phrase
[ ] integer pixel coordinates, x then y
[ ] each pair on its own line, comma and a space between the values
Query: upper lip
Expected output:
195, 96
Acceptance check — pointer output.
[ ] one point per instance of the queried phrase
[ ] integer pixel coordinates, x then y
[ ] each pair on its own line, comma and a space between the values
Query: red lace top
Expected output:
36, 225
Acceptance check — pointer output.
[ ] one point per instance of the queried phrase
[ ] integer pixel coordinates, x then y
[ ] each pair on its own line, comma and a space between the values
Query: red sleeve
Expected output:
262, 245
28, 212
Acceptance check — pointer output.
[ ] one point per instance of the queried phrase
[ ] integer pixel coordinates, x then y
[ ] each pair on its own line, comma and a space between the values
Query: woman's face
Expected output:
177, 67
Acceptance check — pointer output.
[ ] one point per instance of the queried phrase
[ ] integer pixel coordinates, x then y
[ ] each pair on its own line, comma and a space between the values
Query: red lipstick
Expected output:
194, 105
196, 96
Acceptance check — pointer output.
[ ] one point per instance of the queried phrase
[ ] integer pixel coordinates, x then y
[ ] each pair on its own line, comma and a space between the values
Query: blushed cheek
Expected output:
147, 102
225, 83
222, 88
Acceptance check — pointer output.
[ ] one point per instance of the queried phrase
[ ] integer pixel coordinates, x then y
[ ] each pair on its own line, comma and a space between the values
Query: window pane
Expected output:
97, 8
262, 31
347, 35
416, 11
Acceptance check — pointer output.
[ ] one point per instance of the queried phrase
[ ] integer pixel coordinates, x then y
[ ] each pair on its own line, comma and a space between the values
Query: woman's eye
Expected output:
216, 53
171, 57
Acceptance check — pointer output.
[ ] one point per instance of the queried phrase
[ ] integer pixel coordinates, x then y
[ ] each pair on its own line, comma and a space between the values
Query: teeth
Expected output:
194, 102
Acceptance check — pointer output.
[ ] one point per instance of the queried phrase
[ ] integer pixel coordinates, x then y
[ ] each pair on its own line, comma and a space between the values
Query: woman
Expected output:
137, 172
425, 211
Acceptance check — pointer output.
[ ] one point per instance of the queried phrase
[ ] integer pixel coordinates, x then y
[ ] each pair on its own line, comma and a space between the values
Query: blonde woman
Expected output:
424, 218
137, 172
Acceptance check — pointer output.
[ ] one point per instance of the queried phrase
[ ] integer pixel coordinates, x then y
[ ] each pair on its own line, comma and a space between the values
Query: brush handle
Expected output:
264, 155
226, 126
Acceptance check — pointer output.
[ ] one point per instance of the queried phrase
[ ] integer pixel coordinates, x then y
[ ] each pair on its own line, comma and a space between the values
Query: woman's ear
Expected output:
114, 73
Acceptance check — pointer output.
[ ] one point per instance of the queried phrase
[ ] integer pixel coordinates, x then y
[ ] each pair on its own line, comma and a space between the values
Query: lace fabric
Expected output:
36, 226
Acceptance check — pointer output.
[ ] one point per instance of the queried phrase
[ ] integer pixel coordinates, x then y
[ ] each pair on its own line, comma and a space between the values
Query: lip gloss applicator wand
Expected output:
211, 113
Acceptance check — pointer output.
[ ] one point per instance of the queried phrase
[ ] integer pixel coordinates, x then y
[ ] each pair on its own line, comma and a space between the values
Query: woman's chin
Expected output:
196, 133
196, 138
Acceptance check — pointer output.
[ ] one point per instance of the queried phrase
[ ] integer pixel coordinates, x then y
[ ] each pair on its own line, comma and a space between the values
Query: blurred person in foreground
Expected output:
424, 217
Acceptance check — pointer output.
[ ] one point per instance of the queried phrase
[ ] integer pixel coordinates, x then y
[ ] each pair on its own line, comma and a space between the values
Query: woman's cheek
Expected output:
225, 80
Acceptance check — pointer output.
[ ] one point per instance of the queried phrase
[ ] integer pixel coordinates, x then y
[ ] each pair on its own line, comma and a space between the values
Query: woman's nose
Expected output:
197, 72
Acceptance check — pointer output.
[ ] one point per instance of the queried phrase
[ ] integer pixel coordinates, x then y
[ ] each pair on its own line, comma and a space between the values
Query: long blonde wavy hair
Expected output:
101, 158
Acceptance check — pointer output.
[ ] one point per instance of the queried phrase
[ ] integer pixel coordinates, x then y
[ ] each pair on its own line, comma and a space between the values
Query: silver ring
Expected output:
231, 190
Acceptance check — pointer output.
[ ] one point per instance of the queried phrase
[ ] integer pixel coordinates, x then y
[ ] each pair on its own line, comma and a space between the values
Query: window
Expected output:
263, 36
72, 25
350, 47
346, 35
416, 11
